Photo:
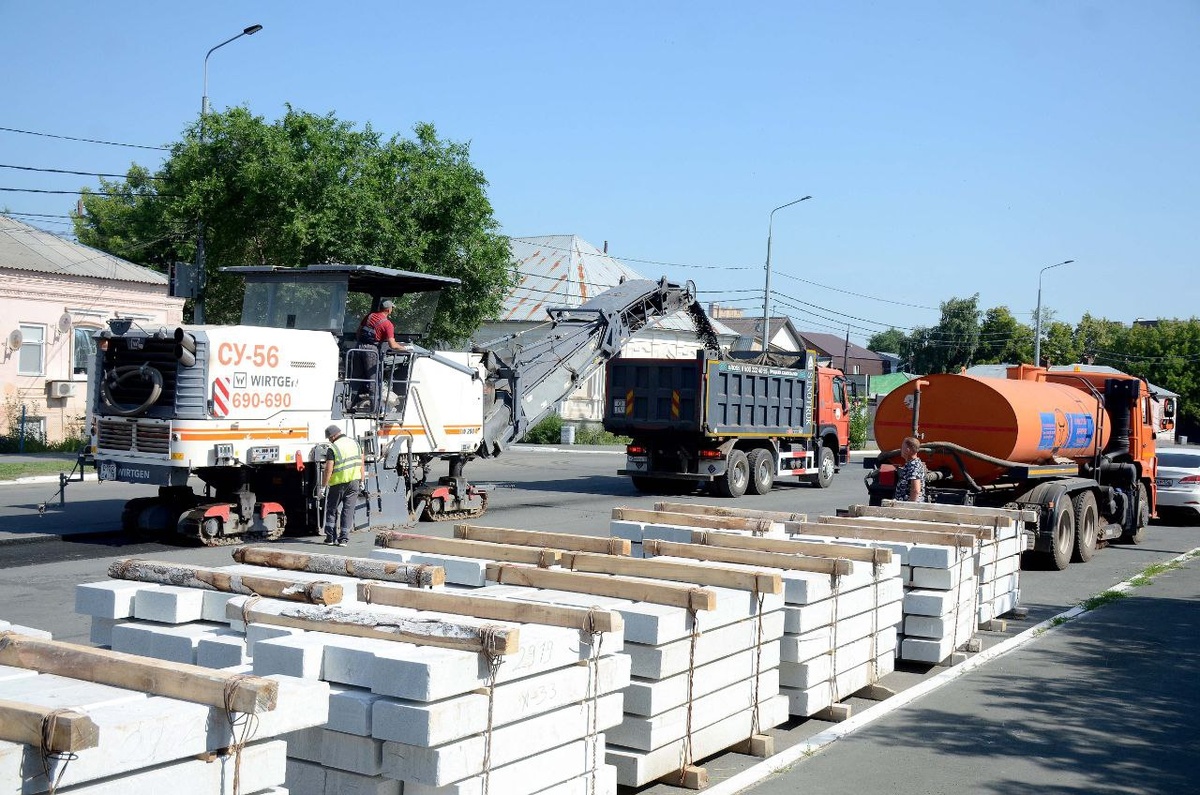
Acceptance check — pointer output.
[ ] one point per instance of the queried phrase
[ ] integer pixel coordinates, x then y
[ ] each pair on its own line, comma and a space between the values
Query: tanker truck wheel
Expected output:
1063, 543
1138, 535
1087, 527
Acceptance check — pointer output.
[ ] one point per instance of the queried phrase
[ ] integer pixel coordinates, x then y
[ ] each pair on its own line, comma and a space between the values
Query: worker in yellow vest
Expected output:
342, 482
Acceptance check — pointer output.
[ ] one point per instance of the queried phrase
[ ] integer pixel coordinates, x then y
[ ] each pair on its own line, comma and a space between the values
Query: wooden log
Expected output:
748, 557
417, 574
635, 590
689, 777
974, 531
676, 571
869, 533
446, 634
816, 549
510, 553
70, 730
540, 538
493, 609
164, 573
1016, 514
692, 520
721, 510
192, 683
922, 514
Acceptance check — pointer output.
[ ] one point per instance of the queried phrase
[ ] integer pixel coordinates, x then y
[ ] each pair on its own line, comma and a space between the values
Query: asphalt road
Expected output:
574, 490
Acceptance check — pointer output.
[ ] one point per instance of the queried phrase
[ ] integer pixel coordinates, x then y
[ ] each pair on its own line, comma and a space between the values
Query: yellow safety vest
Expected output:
347, 461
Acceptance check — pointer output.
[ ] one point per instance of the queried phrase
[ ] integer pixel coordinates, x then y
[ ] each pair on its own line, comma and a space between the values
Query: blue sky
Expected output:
951, 148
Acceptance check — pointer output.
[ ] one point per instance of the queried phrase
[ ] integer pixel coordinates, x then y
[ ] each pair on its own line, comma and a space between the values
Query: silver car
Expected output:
1179, 480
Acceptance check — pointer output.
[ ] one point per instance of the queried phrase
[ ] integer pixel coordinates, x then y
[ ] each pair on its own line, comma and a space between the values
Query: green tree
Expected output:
1003, 339
1059, 344
310, 189
951, 344
891, 341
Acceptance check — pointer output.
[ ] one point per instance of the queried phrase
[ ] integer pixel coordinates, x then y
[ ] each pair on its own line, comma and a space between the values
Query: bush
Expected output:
34, 443
859, 419
549, 431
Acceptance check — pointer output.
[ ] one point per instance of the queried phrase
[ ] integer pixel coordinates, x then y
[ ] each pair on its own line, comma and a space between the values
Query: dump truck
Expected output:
1075, 446
243, 408
731, 425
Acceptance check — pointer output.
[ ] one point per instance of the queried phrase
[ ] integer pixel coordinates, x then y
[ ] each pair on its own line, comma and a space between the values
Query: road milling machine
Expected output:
243, 408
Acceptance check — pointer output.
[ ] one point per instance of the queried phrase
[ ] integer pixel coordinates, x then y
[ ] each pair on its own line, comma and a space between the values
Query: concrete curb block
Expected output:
823, 740
33, 480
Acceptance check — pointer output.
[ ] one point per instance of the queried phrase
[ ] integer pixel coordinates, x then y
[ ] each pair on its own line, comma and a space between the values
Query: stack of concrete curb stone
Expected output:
104, 724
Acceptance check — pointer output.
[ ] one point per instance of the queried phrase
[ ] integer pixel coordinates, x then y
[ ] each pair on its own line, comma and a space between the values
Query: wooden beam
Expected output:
635, 590
919, 513
747, 557
692, 520
1016, 514
816, 549
721, 510
875, 533
70, 730
493, 639
493, 609
540, 538
157, 571
510, 553
975, 531
676, 571
421, 575
192, 683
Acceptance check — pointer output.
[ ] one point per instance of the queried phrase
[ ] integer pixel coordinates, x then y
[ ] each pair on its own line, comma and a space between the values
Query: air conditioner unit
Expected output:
61, 389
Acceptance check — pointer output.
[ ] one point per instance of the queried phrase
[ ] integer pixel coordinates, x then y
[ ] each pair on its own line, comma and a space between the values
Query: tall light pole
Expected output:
201, 276
1037, 327
766, 331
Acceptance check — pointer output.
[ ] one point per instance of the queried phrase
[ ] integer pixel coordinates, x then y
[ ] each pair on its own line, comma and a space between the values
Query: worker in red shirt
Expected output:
375, 335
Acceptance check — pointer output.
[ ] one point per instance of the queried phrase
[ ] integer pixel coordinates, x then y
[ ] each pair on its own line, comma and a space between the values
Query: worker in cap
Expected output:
377, 329
341, 482
376, 336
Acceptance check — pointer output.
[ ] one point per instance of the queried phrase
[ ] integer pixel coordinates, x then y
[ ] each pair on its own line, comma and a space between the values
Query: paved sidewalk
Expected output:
1105, 703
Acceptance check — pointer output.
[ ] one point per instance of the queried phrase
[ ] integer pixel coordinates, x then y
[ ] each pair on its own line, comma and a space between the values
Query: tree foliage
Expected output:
310, 189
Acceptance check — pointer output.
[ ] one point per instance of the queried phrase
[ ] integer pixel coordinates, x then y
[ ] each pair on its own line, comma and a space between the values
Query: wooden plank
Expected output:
192, 683
421, 575
692, 520
848, 529
920, 513
692, 598
70, 730
688, 777
721, 510
739, 579
974, 531
816, 549
1016, 514
446, 634
484, 550
748, 557
542, 538
493, 609
164, 573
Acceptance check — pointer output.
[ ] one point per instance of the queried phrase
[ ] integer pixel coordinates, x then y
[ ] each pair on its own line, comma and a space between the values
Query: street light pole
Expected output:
201, 276
1037, 333
766, 330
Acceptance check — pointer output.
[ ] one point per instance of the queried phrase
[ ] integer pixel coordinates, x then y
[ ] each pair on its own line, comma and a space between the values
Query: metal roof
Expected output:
558, 270
27, 248
369, 279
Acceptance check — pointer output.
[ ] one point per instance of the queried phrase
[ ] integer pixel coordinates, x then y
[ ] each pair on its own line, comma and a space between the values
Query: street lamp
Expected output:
766, 331
201, 276
1037, 332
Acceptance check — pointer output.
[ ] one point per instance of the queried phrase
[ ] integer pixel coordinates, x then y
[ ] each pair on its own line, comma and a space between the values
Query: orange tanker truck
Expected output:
1077, 447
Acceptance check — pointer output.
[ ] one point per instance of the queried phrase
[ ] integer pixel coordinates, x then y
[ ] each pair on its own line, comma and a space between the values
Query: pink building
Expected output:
54, 296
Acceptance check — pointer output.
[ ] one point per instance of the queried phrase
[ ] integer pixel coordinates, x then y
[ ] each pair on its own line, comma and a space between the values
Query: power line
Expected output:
120, 194
76, 173
856, 295
83, 140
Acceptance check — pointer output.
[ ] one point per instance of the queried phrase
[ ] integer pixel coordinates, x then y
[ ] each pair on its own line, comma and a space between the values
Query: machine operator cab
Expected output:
336, 298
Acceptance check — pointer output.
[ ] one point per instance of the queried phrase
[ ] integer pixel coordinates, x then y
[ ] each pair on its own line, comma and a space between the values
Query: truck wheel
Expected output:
762, 470
825, 467
736, 478
1062, 545
1138, 534
1087, 527
645, 485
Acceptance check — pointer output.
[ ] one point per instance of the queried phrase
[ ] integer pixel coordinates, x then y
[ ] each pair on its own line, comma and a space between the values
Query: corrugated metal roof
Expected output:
26, 248
559, 270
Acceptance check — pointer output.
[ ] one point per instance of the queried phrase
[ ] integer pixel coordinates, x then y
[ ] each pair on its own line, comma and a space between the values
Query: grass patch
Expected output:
1058, 621
1101, 599
12, 471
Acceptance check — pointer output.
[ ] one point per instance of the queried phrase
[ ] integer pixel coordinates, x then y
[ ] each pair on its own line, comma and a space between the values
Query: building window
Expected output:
31, 359
83, 349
